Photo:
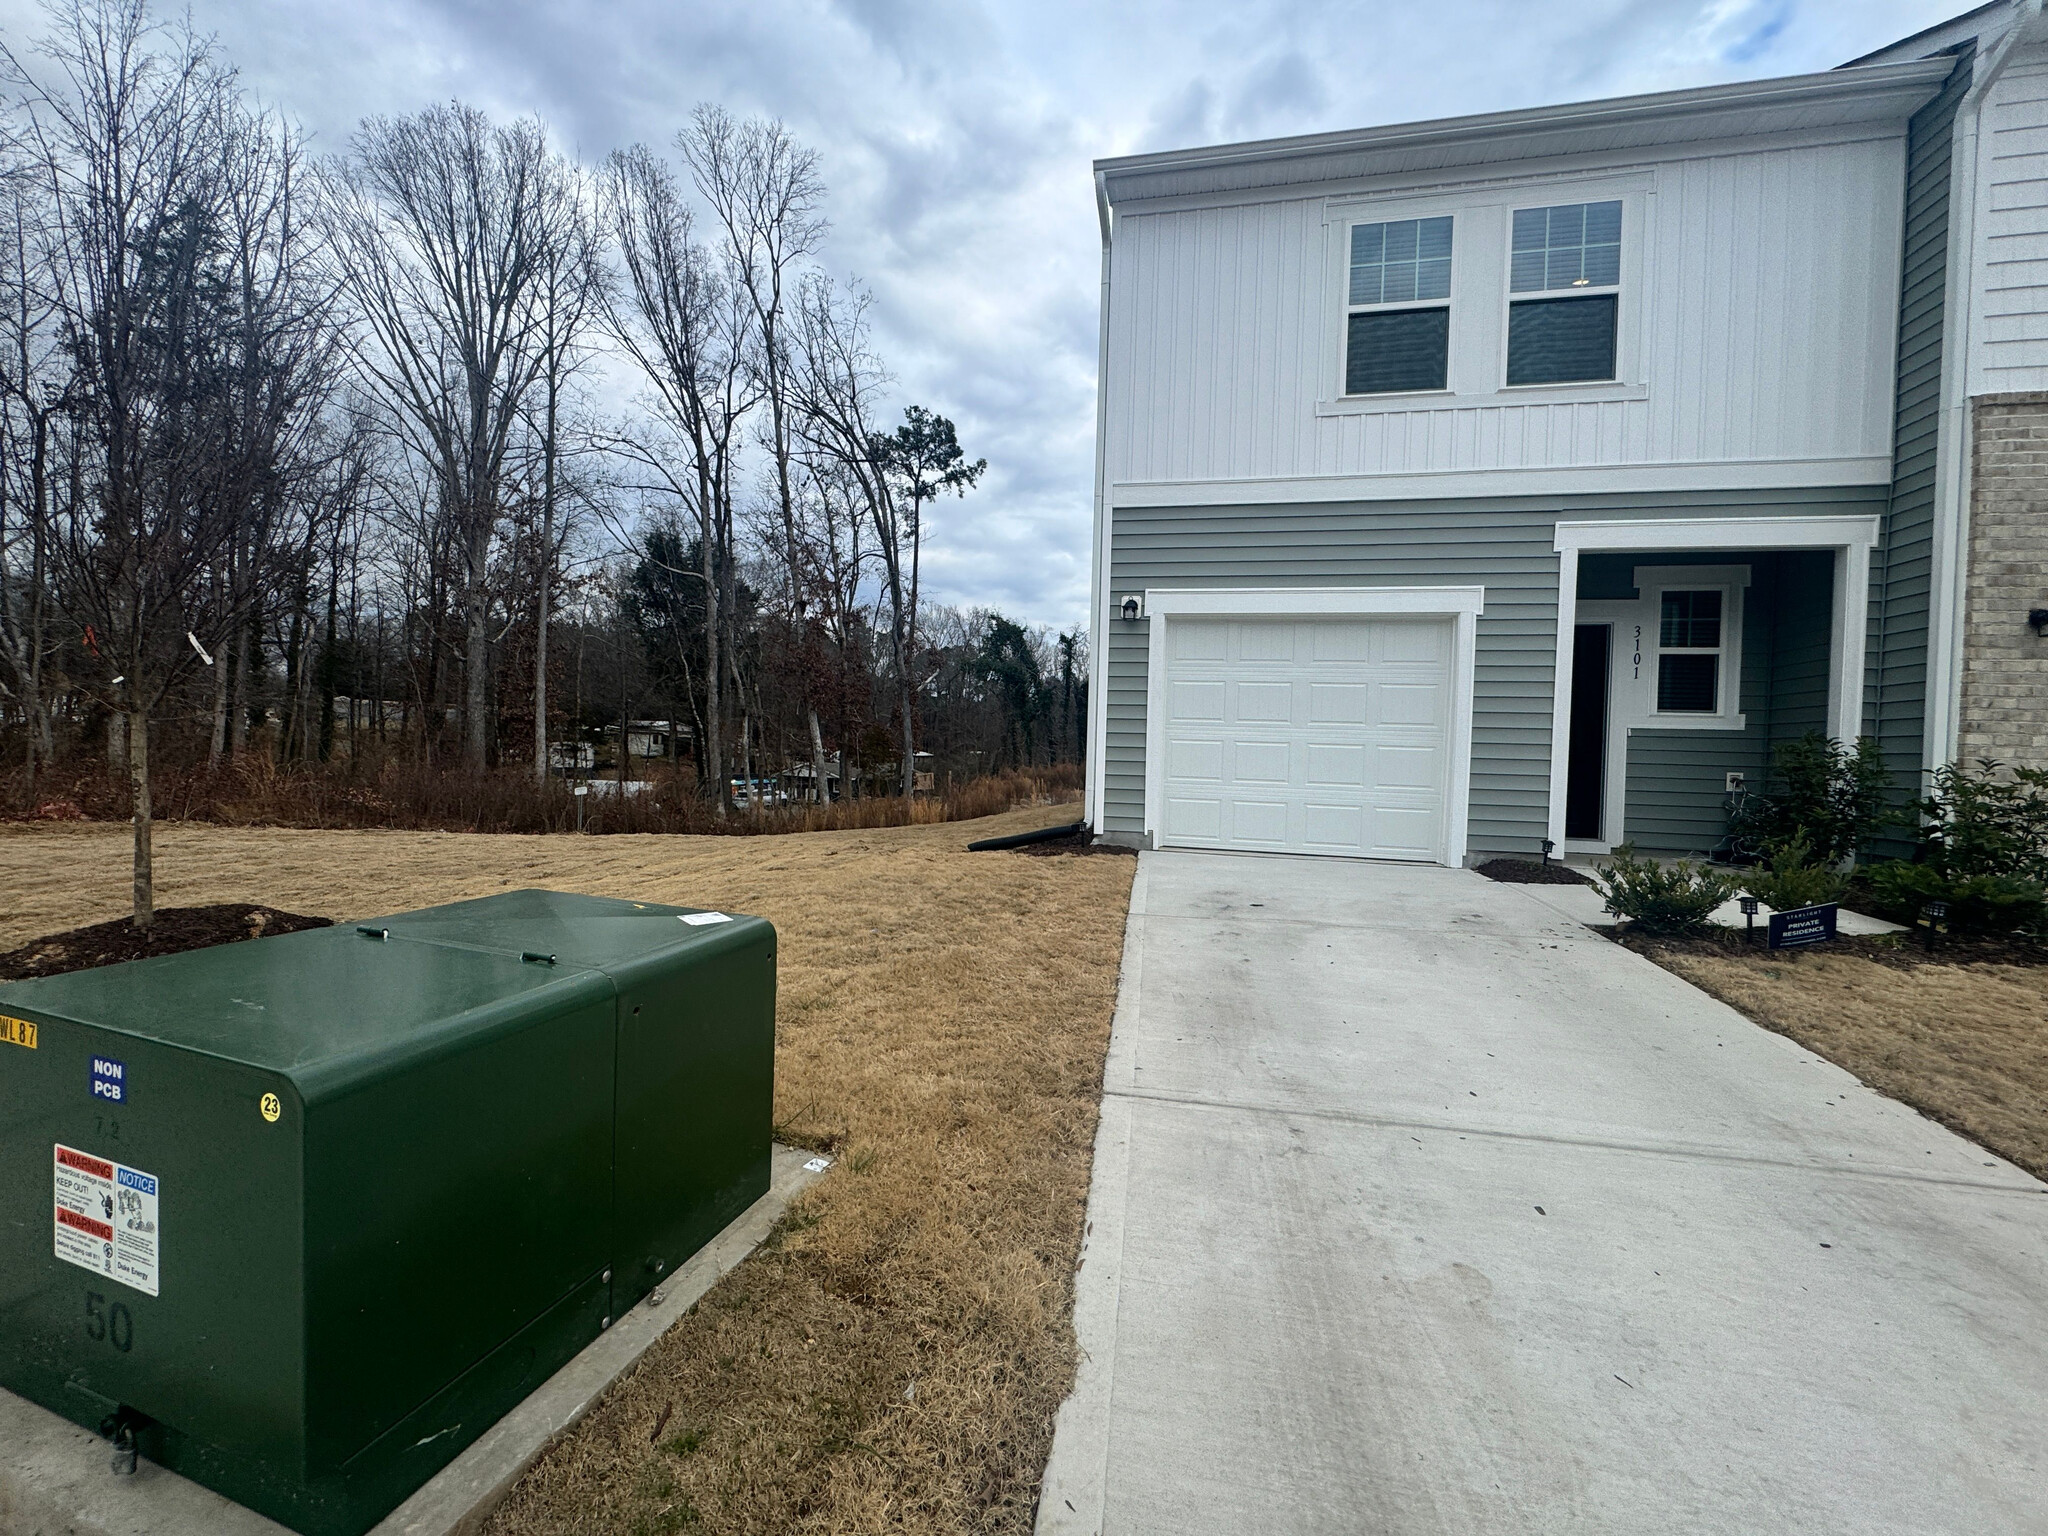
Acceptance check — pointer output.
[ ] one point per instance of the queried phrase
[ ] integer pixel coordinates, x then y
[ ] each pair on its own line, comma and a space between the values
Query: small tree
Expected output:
924, 461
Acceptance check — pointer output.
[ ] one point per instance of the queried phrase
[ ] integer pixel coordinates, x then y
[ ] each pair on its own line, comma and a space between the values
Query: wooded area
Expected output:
448, 455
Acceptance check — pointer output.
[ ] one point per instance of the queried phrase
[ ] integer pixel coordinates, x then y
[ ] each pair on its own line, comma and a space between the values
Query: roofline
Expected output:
1914, 37
1780, 91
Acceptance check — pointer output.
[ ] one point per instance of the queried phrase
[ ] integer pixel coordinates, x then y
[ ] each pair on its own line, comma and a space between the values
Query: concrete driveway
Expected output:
1419, 1209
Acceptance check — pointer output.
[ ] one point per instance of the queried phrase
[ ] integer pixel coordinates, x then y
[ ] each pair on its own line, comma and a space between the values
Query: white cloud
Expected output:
956, 139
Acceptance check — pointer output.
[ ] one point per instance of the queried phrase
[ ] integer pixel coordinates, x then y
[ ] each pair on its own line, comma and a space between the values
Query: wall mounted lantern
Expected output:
2037, 621
1133, 608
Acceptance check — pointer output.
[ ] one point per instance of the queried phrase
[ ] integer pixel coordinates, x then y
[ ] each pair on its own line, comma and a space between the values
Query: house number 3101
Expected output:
1639, 651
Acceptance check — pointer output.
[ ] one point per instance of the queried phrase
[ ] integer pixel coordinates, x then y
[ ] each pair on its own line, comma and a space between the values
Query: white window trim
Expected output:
1851, 539
1627, 293
1463, 605
1395, 306
1651, 583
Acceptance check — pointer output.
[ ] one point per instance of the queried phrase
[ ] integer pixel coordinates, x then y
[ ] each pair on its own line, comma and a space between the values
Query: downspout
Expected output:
1098, 616
1948, 578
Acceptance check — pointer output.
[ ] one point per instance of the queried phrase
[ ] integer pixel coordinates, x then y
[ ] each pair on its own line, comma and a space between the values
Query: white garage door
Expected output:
1308, 735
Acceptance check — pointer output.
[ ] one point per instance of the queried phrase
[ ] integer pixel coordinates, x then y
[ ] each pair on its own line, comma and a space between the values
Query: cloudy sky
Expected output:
956, 137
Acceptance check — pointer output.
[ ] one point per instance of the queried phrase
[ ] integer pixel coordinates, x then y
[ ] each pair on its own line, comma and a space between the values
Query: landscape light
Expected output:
1749, 906
1936, 911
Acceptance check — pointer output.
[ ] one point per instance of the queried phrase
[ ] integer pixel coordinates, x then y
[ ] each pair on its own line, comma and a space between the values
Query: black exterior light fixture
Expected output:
1132, 608
1548, 847
1936, 911
1749, 906
2037, 621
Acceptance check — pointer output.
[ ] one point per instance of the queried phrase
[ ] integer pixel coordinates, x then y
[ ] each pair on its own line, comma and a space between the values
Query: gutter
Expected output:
1740, 97
1948, 578
1098, 612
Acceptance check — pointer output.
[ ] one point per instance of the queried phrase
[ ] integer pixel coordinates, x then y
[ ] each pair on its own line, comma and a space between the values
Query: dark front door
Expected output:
1585, 784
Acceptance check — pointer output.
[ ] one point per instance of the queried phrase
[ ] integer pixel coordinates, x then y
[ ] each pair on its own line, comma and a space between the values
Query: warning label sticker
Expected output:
107, 1219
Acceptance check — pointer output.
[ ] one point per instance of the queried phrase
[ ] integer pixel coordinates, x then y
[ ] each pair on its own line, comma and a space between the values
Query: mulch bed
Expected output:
1073, 842
175, 930
1899, 951
1529, 872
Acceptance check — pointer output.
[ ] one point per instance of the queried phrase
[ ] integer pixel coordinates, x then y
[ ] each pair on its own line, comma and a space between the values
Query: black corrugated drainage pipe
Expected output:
1018, 840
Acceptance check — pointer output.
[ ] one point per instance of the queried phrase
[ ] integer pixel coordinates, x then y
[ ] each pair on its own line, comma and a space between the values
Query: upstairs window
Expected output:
1398, 317
1567, 261
1689, 648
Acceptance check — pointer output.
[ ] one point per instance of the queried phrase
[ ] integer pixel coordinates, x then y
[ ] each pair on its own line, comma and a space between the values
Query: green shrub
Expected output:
1988, 823
1833, 796
1679, 899
1976, 903
1793, 880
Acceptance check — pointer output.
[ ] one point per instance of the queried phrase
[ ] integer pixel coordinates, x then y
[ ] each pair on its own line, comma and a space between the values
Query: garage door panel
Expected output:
1404, 834
1334, 827
1337, 763
1259, 821
1266, 642
1195, 760
1260, 762
1265, 701
1399, 767
1410, 703
1314, 735
1340, 640
1195, 702
1339, 703
1425, 643
1193, 818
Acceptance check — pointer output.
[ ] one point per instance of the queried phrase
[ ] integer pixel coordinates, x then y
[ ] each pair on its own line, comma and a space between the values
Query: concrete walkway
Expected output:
1419, 1209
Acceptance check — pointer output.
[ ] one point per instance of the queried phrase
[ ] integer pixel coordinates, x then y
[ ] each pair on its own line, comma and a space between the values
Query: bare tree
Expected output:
684, 327
440, 221
765, 190
123, 128
567, 295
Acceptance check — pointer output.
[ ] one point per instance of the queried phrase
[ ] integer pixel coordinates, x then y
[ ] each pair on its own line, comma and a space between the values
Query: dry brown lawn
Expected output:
1964, 1044
892, 1360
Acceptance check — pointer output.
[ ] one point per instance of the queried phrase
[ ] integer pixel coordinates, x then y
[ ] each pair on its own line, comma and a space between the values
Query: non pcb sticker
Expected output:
702, 919
107, 1219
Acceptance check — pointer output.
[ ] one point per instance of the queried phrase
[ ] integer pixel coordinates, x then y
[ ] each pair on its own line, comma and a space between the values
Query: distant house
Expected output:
1471, 483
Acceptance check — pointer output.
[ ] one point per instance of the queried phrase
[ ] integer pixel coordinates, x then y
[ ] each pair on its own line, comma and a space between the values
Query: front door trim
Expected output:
1463, 605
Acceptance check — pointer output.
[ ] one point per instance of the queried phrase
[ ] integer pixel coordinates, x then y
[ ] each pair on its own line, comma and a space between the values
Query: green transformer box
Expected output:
304, 1217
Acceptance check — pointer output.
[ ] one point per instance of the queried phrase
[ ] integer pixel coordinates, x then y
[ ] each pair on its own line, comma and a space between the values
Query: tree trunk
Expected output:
714, 754
117, 744
476, 665
238, 707
817, 757
138, 784
541, 605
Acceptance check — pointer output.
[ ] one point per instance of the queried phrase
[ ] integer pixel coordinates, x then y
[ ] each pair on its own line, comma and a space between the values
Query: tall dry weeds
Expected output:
405, 795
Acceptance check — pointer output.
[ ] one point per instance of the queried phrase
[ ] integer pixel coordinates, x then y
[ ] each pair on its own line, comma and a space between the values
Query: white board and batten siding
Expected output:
1759, 314
1308, 736
2009, 351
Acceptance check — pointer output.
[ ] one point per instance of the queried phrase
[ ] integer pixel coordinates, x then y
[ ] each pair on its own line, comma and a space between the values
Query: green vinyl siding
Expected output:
1901, 573
1504, 544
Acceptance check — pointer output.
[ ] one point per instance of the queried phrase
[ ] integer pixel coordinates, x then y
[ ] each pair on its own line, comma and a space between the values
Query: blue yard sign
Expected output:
1802, 925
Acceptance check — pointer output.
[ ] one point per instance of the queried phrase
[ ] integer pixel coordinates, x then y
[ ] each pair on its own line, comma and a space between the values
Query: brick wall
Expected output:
2005, 667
